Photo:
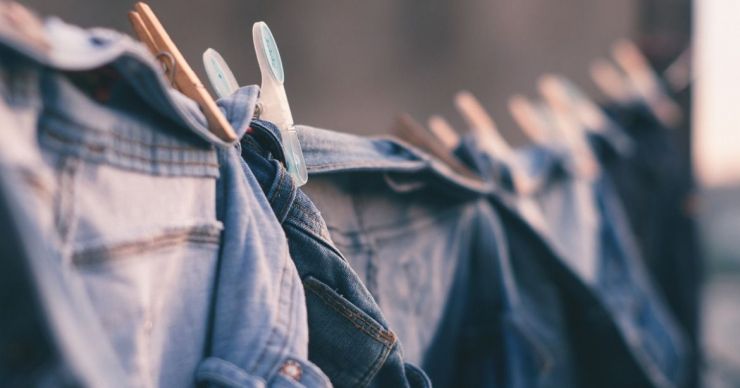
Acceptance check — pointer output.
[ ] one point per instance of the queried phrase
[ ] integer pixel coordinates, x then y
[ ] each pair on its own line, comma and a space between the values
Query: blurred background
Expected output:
353, 66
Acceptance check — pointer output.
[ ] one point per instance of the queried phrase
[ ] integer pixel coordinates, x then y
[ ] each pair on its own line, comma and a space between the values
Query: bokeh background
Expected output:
352, 66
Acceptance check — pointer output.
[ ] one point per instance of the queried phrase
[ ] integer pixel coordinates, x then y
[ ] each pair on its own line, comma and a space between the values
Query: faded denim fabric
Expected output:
49, 335
539, 349
134, 193
623, 295
349, 338
431, 251
657, 193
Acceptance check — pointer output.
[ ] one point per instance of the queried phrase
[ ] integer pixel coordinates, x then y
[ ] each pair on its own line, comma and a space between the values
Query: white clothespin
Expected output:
273, 103
219, 74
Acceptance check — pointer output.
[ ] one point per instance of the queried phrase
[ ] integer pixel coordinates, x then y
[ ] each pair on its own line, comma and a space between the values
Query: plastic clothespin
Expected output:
221, 77
273, 103
149, 29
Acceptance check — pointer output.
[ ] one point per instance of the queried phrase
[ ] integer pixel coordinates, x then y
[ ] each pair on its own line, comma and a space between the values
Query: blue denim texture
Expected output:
621, 294
408, 227
431, 251
657, 192
184, 270
539, 350
49, 334
349, 338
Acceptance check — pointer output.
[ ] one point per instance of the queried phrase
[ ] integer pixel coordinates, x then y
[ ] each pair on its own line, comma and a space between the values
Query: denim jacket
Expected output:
613, 304
184, 269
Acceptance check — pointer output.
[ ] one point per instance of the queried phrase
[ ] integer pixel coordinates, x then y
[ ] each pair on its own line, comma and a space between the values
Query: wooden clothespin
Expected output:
528, 119
679, 74
568, 126
588, 113
407, 129
442, 129
612, 82
19, 22
482, 124
647, 82
155, 37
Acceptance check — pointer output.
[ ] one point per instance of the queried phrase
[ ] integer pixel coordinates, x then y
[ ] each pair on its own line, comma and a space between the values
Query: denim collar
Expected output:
611, 143
382, 154
526, 171
74, 49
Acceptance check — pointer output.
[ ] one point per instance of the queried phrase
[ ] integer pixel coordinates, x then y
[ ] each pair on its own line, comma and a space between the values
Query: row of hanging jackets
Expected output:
141, 250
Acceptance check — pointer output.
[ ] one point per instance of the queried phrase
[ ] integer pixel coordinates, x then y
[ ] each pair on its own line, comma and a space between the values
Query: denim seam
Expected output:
64, 203
379, 361
288, 299
191, 235
308, 231
101, 150
36, 183
277, 195
540, 348
307, 212
274, 331
384, 337
404, 226
387, 167
370, 245
56, 116
380, 337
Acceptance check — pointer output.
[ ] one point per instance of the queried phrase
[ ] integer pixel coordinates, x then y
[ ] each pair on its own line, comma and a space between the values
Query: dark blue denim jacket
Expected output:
433, 254
615, 306
349, 338
657, 195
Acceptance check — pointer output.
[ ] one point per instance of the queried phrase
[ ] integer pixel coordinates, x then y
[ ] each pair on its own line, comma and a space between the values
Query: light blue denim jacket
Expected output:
432, 251
180, 256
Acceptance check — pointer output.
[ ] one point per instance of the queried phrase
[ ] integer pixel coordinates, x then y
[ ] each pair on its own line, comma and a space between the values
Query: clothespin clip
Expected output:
221, 77
586, 110
568, 126
482, 124
529, 119
18, 21
155, 37
679, 73
273, 103
442, 129
646, 82
407, 129
612, 82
